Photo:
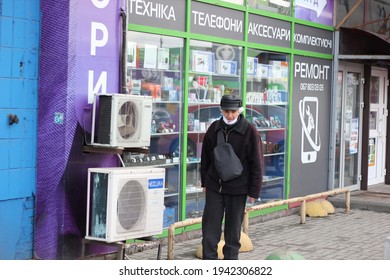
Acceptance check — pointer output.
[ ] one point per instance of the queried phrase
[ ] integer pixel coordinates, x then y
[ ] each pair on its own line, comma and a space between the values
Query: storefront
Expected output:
185, 55
227, 49
361, 100
361, 112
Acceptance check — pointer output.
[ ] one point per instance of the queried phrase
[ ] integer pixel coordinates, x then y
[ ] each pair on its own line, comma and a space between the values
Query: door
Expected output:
377, 127
348, 127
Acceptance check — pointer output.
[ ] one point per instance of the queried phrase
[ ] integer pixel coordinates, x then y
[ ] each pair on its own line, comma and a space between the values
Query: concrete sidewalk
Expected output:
376, 198
358, 235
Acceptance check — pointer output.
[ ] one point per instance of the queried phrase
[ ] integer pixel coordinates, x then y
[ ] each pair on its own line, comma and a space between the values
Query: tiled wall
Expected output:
19, 53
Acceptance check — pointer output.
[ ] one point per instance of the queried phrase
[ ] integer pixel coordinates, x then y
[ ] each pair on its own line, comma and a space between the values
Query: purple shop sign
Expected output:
97, 50
318, 11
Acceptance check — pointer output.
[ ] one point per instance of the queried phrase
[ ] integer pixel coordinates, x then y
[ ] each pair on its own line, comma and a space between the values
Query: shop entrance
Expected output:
377, 127
349, 113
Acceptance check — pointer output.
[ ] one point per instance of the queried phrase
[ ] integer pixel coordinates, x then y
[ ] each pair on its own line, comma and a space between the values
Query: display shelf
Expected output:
193, 160
269, 179
164, 133
268, 103
196, 191
227, 76
196, 132
152, 165
201, 103
154, 69
271, 129
166, 102
272, 154
168, 194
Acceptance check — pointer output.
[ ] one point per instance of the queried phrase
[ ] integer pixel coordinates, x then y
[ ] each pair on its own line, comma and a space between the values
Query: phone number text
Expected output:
312, 87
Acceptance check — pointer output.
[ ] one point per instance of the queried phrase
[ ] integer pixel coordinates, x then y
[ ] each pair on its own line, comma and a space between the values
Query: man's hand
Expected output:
252, 200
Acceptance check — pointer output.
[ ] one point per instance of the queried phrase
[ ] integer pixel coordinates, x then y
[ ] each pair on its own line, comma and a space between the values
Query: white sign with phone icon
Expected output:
311, 141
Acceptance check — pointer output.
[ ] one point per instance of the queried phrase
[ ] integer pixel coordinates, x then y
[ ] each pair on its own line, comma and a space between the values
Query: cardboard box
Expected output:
251, 66
226, 67
202, 61
163, 58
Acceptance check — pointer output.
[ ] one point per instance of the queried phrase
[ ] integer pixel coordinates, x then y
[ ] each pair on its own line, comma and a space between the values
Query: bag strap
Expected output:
220, 137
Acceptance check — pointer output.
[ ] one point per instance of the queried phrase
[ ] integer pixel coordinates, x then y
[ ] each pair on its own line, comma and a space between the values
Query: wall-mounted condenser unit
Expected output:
121, 120
124, 203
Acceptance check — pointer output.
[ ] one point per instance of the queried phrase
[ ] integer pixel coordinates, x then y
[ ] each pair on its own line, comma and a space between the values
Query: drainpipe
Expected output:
122, 56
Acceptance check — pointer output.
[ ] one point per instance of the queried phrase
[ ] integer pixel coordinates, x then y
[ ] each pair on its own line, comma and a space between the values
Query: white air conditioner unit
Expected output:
121, 120
124, 203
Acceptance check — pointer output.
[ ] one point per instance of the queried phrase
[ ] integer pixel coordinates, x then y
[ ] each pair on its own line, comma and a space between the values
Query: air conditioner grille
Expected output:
131, 204
122, 120
104, 120
127, 120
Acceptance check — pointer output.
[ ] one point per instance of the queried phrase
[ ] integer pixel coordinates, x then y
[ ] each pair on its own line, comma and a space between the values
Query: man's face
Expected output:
230, 114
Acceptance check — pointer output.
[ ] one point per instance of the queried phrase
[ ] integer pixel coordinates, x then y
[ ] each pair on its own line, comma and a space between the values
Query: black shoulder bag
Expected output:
227, 163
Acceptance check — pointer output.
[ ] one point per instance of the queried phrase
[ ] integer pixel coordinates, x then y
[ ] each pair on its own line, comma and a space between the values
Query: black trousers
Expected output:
217, 204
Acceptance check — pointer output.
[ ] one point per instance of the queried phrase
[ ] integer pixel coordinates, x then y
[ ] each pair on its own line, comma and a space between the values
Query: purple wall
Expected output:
80, 44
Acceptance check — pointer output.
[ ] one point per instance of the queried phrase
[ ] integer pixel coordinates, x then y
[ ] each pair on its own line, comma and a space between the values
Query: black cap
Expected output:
231, 102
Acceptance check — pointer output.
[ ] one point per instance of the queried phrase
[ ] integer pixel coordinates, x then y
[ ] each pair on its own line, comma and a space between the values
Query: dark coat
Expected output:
246, 143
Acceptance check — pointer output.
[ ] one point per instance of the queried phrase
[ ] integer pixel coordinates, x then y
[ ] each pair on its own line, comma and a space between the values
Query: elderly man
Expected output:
228, 198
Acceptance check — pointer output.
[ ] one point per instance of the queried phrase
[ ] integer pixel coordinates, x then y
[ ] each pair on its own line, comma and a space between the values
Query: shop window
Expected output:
154, 68
266, 107
215, 70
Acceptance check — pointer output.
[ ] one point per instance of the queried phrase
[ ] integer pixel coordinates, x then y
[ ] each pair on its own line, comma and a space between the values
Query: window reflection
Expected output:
373, 116
374, 91
276, 6
266, 107
340, 79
